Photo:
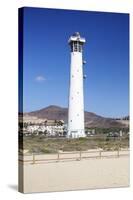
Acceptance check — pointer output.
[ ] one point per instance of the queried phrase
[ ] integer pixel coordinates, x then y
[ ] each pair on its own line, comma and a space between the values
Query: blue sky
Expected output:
47, 59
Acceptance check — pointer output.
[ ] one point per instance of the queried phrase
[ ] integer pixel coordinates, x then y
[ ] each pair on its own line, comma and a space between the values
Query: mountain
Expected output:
91, 119
51, 112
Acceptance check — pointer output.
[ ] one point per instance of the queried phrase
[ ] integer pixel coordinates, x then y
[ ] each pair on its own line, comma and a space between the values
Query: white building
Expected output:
43, 127
76, 97
51, 130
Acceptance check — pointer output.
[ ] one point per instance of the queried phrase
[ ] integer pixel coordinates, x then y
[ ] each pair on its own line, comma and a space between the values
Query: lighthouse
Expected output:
76, 95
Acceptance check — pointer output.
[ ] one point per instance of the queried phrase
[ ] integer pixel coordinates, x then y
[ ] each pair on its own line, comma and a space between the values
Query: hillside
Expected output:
91, 119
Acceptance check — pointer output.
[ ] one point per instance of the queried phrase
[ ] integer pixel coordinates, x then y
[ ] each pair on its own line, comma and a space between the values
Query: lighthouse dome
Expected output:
77, 34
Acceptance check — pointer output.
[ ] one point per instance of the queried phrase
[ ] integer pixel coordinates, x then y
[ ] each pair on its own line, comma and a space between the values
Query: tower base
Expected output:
75, 133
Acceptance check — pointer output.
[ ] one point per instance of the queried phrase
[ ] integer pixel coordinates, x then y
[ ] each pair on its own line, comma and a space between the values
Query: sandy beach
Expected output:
92, 173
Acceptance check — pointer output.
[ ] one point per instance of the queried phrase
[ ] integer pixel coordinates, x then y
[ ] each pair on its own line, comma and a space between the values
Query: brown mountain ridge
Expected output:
91, 119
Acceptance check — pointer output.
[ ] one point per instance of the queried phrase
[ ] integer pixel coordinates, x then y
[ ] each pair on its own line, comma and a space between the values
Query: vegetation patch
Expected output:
42, 144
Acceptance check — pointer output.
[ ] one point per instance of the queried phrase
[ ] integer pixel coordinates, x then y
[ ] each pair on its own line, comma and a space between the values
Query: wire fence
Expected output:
71, 156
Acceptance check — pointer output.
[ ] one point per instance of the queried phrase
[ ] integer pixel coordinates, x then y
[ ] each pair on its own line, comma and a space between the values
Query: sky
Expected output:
46, 59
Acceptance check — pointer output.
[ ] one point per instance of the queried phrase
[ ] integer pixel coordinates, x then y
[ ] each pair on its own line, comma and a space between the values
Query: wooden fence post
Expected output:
118, 153
58, 156
33, 158
80, 155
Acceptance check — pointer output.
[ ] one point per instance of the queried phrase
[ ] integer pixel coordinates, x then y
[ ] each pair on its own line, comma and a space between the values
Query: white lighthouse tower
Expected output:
76, 97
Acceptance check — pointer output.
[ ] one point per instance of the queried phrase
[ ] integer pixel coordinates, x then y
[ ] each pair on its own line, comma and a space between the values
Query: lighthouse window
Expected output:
72, 76
76, 46
80, 47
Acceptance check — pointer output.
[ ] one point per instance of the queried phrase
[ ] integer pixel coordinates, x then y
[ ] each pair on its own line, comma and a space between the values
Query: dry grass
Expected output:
40, 144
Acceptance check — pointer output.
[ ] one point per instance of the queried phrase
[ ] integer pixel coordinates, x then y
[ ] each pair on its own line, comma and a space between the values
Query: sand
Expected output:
92, 173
